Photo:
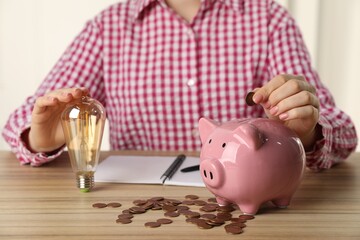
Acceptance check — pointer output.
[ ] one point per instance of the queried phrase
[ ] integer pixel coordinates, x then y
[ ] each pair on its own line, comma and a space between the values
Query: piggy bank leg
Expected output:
249, 209
282, 203
221, 201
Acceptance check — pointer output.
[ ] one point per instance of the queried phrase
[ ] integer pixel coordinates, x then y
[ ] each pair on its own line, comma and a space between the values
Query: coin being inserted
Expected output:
249, 99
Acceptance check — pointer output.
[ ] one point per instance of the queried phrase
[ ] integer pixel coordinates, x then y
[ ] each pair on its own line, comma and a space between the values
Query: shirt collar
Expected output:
140, 5
237, 5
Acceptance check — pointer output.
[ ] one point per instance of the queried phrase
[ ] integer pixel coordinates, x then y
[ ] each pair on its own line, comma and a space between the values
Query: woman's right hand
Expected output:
46, 133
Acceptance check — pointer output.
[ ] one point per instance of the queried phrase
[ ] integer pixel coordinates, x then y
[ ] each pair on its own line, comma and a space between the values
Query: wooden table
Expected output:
43, 203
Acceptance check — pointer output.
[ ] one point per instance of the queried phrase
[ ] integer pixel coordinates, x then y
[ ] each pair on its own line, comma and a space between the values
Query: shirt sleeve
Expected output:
79, 66
288, 54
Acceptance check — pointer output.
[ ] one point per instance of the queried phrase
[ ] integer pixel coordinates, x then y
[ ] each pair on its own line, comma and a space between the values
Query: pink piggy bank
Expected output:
249, 162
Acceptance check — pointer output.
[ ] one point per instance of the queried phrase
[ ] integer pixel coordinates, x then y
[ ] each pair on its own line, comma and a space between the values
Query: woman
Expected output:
158, 66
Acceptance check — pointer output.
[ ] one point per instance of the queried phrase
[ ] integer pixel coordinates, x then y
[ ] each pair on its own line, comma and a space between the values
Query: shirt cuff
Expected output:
25, 156
316, 158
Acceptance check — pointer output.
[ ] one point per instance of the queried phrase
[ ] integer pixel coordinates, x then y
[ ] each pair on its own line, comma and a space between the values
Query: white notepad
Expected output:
146, 170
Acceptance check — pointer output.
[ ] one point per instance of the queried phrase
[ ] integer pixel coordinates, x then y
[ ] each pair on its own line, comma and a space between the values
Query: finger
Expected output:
300, 79
68, 94
262, 94
303, 98
302, 112
291, 76
55, 97
292, 88
79, 92
43, 102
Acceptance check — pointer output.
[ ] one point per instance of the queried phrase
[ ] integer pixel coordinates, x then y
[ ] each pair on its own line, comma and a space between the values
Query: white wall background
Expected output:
34, 33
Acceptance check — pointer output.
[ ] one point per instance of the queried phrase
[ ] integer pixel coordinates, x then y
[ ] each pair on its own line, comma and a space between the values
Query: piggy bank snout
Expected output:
212, 173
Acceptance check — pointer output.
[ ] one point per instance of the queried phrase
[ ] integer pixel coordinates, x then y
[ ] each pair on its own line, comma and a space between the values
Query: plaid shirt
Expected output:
158, 74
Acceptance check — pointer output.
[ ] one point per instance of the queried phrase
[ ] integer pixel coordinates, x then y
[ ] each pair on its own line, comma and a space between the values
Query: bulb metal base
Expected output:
85, 181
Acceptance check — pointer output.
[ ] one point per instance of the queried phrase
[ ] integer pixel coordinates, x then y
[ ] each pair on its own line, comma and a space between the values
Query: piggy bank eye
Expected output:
210, 140
223, 145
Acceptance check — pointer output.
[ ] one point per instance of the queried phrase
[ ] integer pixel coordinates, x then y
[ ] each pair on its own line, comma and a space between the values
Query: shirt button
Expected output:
190, 33
191, 82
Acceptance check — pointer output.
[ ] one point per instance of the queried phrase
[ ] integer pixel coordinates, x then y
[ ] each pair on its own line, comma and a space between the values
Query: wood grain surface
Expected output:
44, 203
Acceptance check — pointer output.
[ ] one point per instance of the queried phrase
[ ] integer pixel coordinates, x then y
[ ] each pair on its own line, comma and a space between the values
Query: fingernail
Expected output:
283, 116
257, 98
267, 105
52, 99
78, 90
274, 110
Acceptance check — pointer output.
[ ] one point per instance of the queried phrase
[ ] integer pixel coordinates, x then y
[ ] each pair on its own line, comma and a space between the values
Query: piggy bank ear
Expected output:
250, 136
206, 126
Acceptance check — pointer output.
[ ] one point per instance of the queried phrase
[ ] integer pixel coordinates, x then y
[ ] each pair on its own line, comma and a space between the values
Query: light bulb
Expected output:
83, 125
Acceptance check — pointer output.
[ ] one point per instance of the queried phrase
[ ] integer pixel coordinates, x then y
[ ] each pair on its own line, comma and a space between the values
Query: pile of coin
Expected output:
210, 214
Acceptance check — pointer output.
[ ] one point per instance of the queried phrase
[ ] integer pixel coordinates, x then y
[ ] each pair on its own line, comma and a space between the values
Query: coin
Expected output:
249, 99
233, 229
188, 202
156, 207
215, 222
150, 205
192, 220
211, 207
123, 220
181, 208
114, 204
126, 215
126, 211
237, 224
192, 214
139, 202
164, 221
171, 214
246, 217
137, 210
191, 197
152, 224
173, 202
99, 205
212, 200
237, 220
157, 199
224, 216
227, 208
169, 208
201, 223
200, 202
184, 212
208, 216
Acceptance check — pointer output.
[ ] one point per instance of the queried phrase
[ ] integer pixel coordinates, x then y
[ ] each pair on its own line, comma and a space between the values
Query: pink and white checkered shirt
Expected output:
158, 74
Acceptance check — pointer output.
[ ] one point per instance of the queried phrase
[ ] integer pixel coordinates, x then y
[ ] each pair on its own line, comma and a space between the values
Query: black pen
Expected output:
173, 167
191, 169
